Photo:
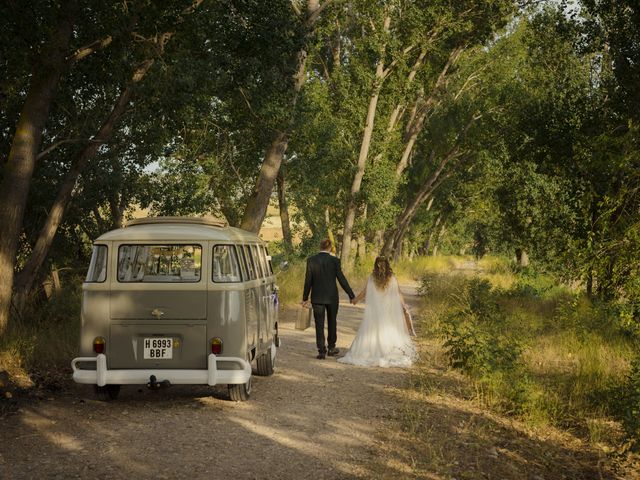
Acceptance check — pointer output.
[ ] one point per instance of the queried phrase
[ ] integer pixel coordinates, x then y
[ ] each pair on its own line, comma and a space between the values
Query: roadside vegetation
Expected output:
514, 342
36, 349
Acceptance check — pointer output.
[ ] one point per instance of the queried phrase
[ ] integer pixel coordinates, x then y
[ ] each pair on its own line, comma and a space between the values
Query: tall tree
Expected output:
18, 170
157, 44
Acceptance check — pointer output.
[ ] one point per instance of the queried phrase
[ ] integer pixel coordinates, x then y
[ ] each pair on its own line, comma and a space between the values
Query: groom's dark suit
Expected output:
322, 271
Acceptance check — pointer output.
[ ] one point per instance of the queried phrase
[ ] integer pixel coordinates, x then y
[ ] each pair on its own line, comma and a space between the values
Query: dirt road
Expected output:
312, 419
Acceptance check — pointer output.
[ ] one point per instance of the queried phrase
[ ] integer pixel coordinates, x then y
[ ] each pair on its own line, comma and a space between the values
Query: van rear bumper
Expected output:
102, 376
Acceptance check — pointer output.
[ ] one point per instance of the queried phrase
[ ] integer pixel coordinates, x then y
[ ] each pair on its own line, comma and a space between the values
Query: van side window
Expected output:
243, 262
225, 264
258, 261
267, 261
250, 263
263, 261
159, 263
97, 272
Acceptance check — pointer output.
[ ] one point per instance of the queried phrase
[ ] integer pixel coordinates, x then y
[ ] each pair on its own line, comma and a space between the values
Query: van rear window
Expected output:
97, 272
159, 263
225, 264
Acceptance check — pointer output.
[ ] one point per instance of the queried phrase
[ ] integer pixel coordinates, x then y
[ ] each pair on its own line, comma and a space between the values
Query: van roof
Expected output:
159, 229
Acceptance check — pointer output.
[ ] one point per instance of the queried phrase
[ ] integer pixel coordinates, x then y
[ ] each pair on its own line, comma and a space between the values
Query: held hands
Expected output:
306, 304
354, 301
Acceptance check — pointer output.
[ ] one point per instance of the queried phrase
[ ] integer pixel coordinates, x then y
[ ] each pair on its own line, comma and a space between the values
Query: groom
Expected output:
322, 271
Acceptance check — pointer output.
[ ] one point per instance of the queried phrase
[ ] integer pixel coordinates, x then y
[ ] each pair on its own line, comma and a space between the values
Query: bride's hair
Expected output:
381, 272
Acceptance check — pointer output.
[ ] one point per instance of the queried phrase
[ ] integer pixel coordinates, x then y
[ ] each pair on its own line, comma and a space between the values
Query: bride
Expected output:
383, 337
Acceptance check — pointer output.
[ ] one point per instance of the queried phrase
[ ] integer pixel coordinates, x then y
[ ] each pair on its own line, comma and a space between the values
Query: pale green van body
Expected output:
239, 309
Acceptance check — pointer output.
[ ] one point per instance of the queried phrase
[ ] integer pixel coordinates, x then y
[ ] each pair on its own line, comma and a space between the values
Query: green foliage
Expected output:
628, 404
534, 348
475, 341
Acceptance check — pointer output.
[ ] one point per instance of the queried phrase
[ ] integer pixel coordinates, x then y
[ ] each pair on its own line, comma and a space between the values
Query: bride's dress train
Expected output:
382, 339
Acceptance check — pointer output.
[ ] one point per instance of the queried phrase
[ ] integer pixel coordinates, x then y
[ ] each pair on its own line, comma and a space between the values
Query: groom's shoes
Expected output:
321, 356
333, 352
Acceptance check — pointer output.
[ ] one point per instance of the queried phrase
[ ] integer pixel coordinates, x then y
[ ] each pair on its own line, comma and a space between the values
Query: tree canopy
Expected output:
397, 126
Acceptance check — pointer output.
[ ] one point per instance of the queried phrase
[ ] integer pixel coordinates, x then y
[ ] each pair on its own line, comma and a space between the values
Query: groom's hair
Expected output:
326, 244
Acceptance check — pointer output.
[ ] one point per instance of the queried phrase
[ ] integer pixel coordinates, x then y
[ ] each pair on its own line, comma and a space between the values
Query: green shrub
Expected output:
538, 349
473, 333
628, 404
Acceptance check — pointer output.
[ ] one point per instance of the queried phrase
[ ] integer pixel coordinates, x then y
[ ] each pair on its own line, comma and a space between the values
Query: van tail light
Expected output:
98, 345
216, 345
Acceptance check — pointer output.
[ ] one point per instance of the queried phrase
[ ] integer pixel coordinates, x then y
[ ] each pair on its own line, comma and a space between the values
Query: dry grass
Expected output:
415, 269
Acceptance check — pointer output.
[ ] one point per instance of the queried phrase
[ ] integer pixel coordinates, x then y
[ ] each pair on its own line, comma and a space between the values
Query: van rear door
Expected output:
158, 307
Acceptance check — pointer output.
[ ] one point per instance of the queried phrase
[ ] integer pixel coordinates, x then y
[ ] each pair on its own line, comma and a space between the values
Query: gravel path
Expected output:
312, 419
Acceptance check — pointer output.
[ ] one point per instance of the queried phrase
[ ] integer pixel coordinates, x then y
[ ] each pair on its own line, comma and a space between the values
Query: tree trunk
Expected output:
330, 236
422, 112
99, 220
438, 238
522, 257
284, 214
20, 165
361, 251
117, 205
315, 230
26, 278
427, 188
427, 245
589, 286
406, 217
28, 275
419, 113
396, 114
352, 204
259, 201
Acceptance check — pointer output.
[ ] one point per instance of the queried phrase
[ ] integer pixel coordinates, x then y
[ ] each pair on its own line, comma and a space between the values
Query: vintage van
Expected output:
177, 300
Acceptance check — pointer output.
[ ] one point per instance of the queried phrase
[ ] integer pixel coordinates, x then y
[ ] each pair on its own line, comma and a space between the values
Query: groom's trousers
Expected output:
331, 310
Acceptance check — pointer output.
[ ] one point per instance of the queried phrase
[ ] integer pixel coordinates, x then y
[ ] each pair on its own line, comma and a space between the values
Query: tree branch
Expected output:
313, 18
296, 8
390, 67
87, 50
55, 145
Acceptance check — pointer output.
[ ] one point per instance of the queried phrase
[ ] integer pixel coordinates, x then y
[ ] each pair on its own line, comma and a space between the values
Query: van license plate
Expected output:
158, 348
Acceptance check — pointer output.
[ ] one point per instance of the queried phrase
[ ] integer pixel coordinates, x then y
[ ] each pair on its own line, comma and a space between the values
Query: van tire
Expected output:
240, 392
265, 364
106, 393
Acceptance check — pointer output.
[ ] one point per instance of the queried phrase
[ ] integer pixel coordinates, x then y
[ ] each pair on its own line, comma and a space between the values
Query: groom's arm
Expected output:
307, 283
343, 280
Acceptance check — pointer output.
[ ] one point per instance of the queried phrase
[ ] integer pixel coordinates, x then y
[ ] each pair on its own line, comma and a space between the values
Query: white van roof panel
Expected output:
157, 229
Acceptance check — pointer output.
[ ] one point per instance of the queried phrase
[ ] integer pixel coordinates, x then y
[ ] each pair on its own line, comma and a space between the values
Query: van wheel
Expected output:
265, 364
106, 393
240, 392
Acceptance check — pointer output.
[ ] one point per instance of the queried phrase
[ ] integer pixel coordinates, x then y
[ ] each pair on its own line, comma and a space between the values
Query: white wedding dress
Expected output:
382, 339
